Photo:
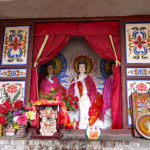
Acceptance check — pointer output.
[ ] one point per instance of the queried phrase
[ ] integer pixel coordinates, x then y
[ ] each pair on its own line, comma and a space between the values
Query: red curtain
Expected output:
96, 35
53, 45
102, 45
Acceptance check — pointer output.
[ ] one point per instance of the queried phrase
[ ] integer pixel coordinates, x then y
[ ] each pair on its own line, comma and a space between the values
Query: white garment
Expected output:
73, 115
84, 104
49, 77
107, 120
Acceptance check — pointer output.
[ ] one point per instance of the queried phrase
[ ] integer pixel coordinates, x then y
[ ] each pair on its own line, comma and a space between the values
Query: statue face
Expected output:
82, 68
50, 69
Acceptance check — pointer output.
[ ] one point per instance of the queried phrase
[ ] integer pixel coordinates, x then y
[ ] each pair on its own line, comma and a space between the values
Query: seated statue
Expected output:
107, 93
50, 81
90, 101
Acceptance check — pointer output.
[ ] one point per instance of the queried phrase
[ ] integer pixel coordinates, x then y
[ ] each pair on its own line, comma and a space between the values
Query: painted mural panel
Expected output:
138, 71
12, 90
13, 73
135, 86
15, 45
137, 43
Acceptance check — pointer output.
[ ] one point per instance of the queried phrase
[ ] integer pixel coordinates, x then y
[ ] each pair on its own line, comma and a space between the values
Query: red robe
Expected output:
96, 100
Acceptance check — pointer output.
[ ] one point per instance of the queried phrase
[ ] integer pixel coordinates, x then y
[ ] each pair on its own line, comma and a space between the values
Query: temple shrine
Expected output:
73, 80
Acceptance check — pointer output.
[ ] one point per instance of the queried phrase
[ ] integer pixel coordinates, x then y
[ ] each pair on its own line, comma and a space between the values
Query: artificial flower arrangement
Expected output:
14, 113
70, 102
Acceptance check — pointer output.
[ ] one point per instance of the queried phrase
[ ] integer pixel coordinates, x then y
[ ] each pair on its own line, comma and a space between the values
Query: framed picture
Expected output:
140, 104
47, 120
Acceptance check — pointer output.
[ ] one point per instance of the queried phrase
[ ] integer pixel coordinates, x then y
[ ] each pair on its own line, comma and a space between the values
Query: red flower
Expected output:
141, 87
63, 93
65, 97
77, 106
12, 88
7, 104
139, 42
73, 98
11, 108
18, 104
3, 110
70, 101
15, 44
2, 120
76, 99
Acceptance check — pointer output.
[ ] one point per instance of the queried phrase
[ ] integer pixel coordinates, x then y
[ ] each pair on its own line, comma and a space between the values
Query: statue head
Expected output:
82, 67
51, 67
111, 67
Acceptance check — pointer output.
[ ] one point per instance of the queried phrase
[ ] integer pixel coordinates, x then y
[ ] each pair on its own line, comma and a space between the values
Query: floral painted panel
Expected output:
137, 43
135, 86
15, 45
139, 71
12, 90
13, 73
140, 106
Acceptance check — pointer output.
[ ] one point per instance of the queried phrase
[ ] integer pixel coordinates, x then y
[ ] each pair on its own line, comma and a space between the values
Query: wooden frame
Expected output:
29, 62
130, 19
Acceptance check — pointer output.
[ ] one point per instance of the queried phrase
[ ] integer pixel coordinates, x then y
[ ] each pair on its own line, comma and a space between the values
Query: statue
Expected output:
50, 81
90, 101
107, 93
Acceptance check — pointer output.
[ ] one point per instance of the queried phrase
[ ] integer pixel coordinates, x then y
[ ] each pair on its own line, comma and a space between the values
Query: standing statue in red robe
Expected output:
90, 101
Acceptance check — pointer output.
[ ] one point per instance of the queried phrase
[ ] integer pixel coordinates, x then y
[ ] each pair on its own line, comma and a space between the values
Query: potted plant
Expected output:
14, 115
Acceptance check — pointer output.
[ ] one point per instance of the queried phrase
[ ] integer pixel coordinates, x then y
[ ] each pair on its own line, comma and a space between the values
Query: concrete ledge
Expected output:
75, 140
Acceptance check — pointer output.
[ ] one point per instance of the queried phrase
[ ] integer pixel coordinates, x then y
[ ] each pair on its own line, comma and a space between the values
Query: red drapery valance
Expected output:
96, 34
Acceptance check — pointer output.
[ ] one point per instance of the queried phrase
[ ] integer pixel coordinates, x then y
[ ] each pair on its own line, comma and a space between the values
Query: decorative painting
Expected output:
143, 125
48, 121
137, 43
140, 105
15, 45
12, 90
135, 86
139, 71
13, 73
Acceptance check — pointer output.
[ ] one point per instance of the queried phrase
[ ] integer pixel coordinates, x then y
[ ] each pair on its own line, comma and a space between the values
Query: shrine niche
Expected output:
137, 43
15, 45
66, 63
43, 53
